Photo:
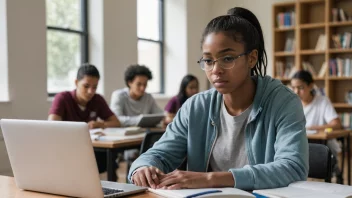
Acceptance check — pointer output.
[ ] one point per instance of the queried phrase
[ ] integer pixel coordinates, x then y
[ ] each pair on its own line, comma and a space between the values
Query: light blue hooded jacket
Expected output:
276, 141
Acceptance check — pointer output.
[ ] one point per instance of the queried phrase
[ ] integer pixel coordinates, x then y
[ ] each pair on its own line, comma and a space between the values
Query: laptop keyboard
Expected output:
110, 191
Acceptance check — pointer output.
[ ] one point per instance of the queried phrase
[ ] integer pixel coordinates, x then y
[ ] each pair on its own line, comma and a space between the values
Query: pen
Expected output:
203, 193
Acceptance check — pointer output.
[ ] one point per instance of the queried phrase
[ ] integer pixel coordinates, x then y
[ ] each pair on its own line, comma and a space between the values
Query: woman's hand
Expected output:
184, 179
147, 176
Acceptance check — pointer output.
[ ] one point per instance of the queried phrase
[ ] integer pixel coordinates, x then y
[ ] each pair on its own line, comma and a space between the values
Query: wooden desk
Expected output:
9, 189
112, 148
345, 134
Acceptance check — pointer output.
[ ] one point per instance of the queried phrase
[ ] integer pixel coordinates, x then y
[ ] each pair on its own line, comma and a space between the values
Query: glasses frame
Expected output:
213, 63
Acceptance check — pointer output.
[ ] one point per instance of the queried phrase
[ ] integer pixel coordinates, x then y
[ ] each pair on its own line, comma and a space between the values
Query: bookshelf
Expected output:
320, 33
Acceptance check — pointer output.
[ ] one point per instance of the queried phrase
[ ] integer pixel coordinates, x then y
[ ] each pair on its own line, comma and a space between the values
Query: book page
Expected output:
97, 130
324, 187
293, 192
122, 131
115, 138
225, 192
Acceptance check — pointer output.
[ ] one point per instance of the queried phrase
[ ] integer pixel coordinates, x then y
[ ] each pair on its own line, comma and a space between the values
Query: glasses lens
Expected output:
227, 62
206, 65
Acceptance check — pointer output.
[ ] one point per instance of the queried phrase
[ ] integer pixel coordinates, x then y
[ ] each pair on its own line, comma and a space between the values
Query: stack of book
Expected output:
309, 67
284, 70
342, 40
285, 19
290, 45
321, 43
346, 120
340, 67
339, 14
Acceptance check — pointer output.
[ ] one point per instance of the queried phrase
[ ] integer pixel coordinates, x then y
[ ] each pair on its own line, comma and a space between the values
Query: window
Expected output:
67, 42
150, 22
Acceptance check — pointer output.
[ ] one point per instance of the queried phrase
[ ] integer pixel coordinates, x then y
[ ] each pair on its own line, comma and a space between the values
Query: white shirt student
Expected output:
318, 110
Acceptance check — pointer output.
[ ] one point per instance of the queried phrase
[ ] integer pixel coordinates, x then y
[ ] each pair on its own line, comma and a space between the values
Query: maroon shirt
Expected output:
65, 105
173, 105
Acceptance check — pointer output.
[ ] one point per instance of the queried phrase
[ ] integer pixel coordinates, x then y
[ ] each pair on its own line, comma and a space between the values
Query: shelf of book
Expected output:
340, 23
285, 29
312, 1
311, 52
335, 51
342, 105
336, 78
322, 43
312, 25
284, 53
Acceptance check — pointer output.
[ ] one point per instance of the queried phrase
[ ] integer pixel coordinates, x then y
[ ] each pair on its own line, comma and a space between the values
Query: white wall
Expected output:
113, 40
26, 45
3, 54
185, 22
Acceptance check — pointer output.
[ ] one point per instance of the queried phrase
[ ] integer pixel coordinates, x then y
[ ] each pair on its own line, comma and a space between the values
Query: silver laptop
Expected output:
57, 157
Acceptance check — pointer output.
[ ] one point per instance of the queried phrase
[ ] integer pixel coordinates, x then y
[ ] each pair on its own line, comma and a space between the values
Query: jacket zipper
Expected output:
211, 150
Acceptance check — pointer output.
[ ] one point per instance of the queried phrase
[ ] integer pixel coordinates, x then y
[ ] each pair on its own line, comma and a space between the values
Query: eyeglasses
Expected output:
226, 62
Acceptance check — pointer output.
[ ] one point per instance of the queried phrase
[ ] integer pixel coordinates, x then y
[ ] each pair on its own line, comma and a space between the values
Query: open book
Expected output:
113, 133
204, 192
309, 189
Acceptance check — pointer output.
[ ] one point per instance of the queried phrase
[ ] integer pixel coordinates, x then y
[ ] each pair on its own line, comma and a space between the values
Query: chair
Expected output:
148, 142
320, 162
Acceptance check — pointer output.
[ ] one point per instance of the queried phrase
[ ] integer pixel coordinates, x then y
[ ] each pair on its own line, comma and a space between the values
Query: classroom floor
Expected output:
121, 172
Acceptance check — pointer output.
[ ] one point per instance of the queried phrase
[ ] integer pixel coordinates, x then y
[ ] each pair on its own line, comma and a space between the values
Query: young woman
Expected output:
189, 86
248, 132
84, 105
318, 110
129, 103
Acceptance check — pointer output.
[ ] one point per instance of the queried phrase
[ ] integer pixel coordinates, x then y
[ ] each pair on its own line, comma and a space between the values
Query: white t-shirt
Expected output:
319, 112
230, 147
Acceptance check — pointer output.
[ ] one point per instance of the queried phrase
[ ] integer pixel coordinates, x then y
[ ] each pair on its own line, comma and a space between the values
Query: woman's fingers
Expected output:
155, 175
167, 181
149, 176
143, 180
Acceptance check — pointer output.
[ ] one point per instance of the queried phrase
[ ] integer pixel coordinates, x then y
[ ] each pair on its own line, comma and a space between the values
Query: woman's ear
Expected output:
76, 82
252, 58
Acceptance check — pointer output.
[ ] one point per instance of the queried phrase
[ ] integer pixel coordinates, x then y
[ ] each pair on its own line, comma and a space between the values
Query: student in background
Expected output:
129, 103
248, 132
189, 86
318, 110
84, 105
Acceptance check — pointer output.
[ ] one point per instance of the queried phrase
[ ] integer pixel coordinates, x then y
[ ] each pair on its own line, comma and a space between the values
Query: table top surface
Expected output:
9, 189
321, 135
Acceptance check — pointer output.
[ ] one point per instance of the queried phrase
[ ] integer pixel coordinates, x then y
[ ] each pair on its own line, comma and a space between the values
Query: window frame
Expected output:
82, 33
161, 43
